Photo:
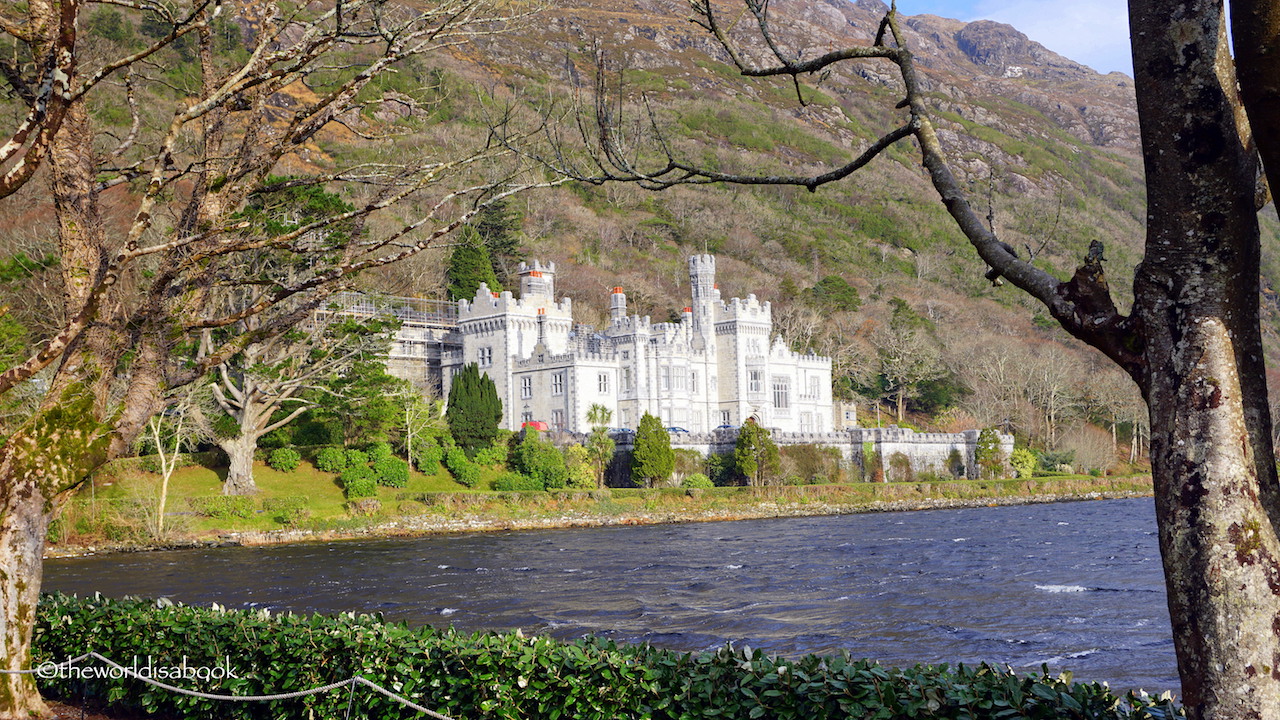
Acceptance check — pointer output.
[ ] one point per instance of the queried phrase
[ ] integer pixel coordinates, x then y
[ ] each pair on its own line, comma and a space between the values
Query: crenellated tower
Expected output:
702, 280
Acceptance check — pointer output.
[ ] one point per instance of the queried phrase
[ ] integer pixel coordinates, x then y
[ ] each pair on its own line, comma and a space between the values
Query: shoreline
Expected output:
408, 526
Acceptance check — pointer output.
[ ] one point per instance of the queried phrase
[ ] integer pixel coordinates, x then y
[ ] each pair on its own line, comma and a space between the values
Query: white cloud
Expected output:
1093, 32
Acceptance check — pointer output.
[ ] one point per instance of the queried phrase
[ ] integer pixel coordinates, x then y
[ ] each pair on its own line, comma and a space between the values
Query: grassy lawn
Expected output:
323, 495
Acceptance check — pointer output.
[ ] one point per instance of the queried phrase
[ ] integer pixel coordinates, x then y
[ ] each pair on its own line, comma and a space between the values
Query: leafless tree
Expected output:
249, 123
1192, 342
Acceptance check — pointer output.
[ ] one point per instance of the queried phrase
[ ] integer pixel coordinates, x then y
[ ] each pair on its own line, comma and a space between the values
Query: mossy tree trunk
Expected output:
40, 465
1196, 297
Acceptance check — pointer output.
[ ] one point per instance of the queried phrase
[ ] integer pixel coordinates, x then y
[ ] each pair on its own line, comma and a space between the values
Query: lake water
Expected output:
1077, 586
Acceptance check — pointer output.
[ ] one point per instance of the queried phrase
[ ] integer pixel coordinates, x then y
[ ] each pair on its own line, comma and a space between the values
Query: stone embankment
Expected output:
534, 511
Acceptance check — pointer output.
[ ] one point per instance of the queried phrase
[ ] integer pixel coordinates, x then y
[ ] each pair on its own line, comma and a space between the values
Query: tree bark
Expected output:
1196, 297
240, 451
22, 537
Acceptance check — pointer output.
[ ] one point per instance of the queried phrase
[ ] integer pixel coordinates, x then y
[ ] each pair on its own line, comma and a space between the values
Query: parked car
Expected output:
621, 431
726, 427
676, 430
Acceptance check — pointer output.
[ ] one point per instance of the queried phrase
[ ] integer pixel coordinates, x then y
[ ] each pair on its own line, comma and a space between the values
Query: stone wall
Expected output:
927, 452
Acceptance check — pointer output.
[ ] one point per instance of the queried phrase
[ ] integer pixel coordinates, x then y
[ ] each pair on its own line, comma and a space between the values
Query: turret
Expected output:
702, 280
618, 305
537, 280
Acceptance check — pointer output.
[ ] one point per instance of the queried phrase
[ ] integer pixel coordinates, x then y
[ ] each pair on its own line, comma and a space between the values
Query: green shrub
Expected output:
357, 457
359, 487
358, 482
463, 470
288, 510
509, 675
222, 507
539, 459
495, 454
391, 472
427, 456
697, 480
1023, 462
515, 482
331, 459
284, 459
379, 451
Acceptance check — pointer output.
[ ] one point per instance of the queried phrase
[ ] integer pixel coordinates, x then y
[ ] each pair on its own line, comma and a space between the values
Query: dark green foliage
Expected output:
20, 267
379, 451
222, 507
284, 459
312, 428
836, 294
288, 510
938, 394
474, 409
755, 455
469, 266
652, 461
110, 25
391, 472
498, 226
427, 455
516, 482
363, 403
331, 459
463, 470
356, 457
539, 459
284, 204
1053, 459
720, 469
512, 676
988, 455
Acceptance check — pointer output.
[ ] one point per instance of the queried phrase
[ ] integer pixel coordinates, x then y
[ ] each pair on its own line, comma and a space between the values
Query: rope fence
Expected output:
351, 682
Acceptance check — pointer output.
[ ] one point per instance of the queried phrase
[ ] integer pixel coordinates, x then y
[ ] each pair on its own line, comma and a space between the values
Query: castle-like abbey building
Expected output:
719, 365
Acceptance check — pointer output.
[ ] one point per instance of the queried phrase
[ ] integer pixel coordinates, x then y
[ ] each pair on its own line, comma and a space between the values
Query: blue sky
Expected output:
1093, 32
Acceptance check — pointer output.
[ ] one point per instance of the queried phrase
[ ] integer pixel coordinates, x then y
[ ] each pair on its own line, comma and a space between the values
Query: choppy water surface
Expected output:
1075, 585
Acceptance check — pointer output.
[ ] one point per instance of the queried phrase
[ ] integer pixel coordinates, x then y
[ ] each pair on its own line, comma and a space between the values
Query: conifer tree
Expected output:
498, 225
755, 453
474, 409
652, 460
469, 265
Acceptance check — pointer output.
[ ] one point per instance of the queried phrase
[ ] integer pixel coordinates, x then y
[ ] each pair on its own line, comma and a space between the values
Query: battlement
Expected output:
537, 279
487, 303
750, 309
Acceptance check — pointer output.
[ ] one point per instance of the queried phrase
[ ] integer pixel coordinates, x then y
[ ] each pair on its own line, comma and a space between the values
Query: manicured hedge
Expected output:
511, 676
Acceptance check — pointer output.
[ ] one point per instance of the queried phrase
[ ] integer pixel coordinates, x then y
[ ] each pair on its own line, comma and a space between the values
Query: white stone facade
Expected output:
719, 365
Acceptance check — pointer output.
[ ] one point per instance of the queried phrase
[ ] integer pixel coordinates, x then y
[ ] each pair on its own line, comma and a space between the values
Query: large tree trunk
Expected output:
1197, 300
22, 538
239, 452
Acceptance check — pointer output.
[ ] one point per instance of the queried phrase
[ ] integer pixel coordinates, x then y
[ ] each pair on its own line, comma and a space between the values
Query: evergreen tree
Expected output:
988, 454
652, 460
474, 409
498, 225
469, 266
755, 453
